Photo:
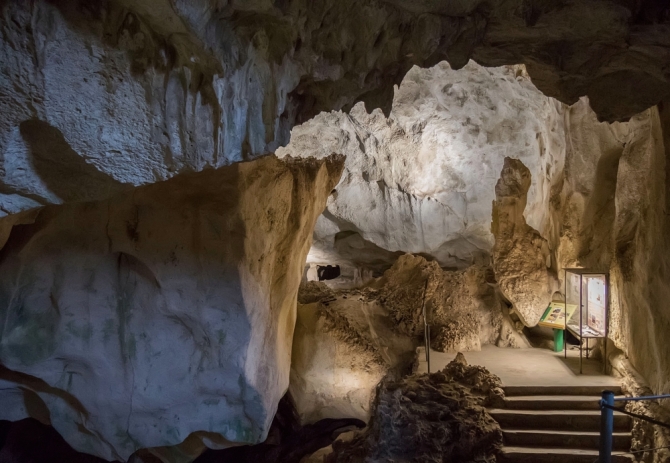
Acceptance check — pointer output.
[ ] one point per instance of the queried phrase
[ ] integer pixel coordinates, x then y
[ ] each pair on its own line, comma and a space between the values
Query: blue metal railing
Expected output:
607, 410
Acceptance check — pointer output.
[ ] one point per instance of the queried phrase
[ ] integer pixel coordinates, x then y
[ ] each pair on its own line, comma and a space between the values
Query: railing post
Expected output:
606, 427
426, 326
427, 334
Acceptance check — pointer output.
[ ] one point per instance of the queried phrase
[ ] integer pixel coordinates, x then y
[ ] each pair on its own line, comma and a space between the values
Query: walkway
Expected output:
528, 367
551, 412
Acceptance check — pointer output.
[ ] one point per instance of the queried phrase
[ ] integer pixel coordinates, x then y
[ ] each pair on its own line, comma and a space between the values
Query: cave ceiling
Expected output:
616, 52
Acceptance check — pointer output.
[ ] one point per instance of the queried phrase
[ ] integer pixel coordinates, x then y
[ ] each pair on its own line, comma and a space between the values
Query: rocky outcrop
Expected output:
127, 92
288, 441
347, 341
464, 307
344, 344
521, 257
422, 180
163, 313
461, 306
430, 418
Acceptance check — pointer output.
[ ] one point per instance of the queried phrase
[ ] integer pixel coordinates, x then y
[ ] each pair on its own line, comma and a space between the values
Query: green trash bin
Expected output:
558, 340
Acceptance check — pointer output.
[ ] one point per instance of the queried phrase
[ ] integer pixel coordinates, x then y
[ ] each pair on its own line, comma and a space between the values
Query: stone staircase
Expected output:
552, 424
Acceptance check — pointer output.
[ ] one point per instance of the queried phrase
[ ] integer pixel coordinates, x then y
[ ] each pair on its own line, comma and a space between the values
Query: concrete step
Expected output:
554, 455
552, 402
564, 439
595, 391
578, 420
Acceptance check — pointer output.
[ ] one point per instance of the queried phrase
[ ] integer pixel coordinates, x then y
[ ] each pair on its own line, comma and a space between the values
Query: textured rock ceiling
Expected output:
350, 50
97, 98
141, 90
423, 179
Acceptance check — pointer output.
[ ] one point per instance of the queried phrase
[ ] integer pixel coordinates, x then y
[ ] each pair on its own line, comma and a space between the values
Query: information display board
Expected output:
587, 291
554, 316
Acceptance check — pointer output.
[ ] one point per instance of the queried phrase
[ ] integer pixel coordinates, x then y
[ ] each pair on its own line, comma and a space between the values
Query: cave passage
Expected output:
225, 225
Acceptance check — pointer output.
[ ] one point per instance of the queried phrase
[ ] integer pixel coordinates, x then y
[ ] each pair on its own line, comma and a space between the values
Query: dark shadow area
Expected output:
590, 366
352, 246
64, 171
600, 211
328, 272
287, 441
29, 441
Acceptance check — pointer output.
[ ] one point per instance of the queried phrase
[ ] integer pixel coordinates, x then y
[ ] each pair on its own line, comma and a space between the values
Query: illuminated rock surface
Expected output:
423, 180
521, 257
124, 92
347, 341
160, 312
101, 100
436, 417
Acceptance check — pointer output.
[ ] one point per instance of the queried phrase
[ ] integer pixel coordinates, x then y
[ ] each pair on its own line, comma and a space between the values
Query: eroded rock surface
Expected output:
422, 180
288, 441
430, 418
521, 256
462, 306
347, 341
122, 92
344, 344
162, 312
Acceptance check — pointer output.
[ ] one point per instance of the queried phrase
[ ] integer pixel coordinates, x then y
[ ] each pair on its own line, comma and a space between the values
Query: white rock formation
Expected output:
423, 180
163, 311
521, 257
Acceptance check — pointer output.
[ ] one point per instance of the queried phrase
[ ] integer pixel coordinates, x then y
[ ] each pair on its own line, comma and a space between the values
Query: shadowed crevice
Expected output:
64, 171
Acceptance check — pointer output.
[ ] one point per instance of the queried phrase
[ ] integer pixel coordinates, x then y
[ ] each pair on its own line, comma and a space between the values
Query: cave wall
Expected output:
168, 310
100, 98
640, 252
95, 96
610, 215
423, 179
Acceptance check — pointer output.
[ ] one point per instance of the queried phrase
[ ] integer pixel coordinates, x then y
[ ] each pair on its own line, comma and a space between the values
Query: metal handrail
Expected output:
607, 409
648, 397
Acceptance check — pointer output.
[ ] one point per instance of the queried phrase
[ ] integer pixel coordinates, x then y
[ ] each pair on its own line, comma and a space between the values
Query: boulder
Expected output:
163, 311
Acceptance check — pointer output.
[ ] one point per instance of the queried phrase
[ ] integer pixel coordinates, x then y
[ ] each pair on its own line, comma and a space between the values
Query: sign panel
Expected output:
554, 316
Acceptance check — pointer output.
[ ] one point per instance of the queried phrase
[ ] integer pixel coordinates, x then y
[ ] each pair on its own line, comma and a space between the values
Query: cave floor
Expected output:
528, 367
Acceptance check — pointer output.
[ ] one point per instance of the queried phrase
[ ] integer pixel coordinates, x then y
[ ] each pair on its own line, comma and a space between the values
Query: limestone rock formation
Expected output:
584, 205
641, 250
344, 344
521, 257
168, 310
462, 306
347, 341
430, 418
613, 210
422, 180
125, 92
288, 441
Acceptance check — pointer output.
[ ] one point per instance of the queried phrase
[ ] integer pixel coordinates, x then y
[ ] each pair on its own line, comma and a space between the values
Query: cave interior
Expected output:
333, 231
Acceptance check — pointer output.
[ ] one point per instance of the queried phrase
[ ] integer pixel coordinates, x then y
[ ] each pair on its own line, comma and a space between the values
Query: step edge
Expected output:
566, 397
555, 450
526, 412
565, 433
